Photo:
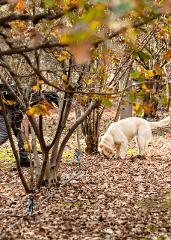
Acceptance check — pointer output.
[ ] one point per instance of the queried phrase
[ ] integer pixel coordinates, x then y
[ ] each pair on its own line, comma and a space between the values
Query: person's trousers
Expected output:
15, 123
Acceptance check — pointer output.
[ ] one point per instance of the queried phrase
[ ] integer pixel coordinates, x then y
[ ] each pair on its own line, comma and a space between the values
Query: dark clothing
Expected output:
15, 123
15, 116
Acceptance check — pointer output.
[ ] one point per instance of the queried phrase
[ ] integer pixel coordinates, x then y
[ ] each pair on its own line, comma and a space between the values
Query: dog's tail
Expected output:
162, 123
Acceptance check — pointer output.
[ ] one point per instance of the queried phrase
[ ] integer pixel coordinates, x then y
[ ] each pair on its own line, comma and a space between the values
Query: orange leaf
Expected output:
30, 111
20, 6
167, 56
40, 81
148, 108
41, 108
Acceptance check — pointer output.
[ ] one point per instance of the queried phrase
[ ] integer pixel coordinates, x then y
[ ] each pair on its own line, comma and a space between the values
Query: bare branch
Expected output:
4, 21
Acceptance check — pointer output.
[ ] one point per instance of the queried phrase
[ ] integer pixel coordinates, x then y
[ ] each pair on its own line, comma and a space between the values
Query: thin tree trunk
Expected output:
35, 153
71, 130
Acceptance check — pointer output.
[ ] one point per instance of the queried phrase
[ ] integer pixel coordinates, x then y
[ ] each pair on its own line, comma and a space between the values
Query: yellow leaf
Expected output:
73, 2
164, 28
27, 146
36, 88
131, 34
18, 24
9, 102
61, 58
137, 106
65, 53
149, 73
144, 86
65, 78
39, 109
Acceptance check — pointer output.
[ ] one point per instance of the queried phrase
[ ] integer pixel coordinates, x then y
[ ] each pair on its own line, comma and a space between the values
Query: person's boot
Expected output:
24, 162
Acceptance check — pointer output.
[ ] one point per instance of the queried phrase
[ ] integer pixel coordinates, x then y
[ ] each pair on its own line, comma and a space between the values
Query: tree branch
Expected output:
26, 187
4, 21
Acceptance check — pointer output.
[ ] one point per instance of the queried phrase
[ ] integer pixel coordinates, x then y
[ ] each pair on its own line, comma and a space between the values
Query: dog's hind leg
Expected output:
141, 145
143, 139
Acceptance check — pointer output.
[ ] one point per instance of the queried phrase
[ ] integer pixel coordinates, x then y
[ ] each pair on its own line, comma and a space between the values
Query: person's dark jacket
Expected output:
10, 102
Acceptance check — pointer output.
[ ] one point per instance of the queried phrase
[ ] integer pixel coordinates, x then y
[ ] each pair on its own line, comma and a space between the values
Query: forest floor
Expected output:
108, 199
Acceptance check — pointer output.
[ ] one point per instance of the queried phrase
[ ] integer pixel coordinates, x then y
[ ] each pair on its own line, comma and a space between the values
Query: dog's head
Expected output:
105, 148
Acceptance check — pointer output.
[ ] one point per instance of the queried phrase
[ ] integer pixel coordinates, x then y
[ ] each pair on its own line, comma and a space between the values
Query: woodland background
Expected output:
106, 60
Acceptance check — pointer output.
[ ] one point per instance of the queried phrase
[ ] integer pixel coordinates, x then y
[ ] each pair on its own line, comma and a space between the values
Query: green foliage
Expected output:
107, 102
161, 238
164, 100
86, 26
138, 76
144, 56
48, 3
142, 238
122, 7
132, 97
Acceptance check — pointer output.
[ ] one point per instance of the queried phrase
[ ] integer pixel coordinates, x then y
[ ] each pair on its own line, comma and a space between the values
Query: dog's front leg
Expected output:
123, 149
118, 146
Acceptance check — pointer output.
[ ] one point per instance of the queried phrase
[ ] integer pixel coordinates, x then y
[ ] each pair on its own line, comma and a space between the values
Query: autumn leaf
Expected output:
65, 79
167, 56
144, 86
64, 55
149, 73
136, 106
40, 82
27, 146
18, 25
38, 109
9, 102
81, 52
131, 35
157, 70
36, 88
20, 6
148, 107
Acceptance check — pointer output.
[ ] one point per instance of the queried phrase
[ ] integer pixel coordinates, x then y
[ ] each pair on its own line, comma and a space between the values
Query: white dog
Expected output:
120, 133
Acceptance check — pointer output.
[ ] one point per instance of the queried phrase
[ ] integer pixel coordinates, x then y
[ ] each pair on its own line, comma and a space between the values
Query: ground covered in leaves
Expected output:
107, 199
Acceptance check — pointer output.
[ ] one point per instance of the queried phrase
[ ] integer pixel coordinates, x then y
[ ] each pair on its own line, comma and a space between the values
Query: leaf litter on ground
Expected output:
110, 199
